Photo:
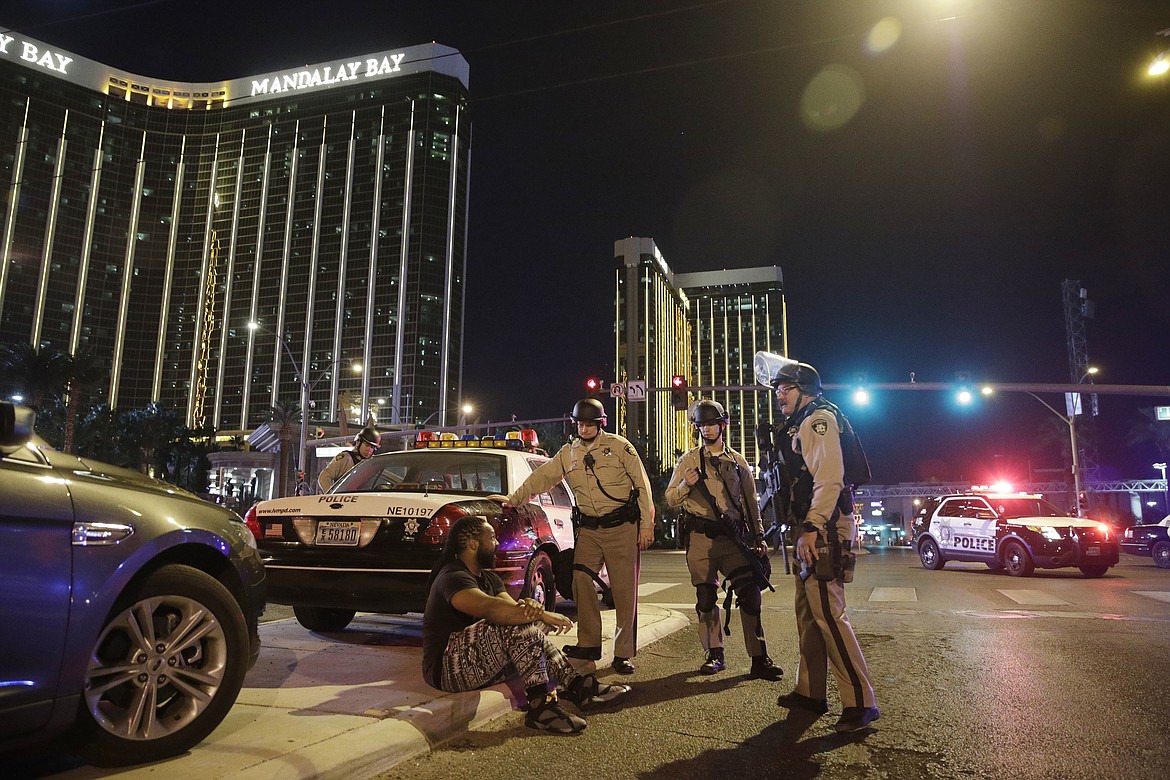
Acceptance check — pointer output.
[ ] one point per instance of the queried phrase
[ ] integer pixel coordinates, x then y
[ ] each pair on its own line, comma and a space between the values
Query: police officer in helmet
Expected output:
821, 506
716, 489
614, 520
365, 444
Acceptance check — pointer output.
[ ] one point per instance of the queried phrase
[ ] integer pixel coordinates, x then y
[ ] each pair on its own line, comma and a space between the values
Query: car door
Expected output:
948, 516
558, 507
983, 523
36, 519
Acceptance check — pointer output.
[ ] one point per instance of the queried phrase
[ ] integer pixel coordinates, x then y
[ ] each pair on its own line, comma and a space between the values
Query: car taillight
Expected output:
252, 521
441, 523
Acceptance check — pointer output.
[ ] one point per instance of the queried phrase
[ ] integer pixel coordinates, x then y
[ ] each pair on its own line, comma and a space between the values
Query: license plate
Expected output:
337, 533
1093, 551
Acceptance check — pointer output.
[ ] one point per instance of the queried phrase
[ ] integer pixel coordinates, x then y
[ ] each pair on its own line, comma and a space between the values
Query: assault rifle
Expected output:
736, 531
774, 496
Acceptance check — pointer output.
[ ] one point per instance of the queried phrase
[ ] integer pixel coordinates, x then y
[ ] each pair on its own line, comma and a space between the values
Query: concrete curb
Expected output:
349, 705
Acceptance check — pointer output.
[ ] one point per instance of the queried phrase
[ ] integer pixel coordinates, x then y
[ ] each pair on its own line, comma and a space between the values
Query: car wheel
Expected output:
539, 583
1016, 560
1093, 571
323, 618
166, 668
995, 565
931, 558
1161, 555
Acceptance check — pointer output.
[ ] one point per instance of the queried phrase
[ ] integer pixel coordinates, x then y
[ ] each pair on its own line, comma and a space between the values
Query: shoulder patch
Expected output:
820, 427
630, 449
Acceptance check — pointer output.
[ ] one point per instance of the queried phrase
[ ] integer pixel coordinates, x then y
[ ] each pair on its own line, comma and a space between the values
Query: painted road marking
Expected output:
1160, 595
1033, 597
893, 594
650, 588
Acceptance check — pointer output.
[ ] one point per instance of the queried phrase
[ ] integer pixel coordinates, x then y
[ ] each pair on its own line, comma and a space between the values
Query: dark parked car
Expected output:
1153, 541
368, 544
129, 607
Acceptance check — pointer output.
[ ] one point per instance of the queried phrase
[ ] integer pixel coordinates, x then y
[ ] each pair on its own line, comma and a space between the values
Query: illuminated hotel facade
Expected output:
149, 222
706, 326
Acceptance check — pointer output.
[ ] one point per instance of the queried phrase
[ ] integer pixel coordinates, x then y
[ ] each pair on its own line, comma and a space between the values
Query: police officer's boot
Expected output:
714, 663
762, 666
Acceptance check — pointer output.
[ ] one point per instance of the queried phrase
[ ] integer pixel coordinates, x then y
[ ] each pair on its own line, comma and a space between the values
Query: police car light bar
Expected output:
514, 440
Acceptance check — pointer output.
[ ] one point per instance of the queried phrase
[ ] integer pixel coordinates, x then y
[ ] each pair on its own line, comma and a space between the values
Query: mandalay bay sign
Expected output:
327, 75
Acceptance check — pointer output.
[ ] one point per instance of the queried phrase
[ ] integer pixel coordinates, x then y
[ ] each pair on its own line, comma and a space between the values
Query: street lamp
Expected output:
1165, 487
1071, 421
464, 410
305, 385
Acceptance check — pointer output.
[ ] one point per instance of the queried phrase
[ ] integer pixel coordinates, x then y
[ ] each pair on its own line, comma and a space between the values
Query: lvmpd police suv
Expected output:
1016, 532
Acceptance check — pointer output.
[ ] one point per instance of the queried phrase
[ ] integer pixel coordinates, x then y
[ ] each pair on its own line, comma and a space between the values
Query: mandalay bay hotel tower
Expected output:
148, 222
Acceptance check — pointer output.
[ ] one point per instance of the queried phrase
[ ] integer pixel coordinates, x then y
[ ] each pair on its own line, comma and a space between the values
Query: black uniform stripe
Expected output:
842, 650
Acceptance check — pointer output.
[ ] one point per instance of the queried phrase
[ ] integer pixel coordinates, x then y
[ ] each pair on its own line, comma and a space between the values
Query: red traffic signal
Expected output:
678, 392
593, 387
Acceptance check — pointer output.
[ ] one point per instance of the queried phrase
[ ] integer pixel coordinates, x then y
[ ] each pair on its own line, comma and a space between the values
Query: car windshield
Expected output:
466, 471
1008, 508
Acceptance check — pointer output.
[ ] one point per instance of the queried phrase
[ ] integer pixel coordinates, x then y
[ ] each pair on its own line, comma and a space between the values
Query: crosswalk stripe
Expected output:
893, 594
650, 588
1033, 597
1160, 595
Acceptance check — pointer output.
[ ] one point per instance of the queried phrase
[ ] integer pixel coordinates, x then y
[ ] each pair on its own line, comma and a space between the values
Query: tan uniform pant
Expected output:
707, 558
617, 548
827, 641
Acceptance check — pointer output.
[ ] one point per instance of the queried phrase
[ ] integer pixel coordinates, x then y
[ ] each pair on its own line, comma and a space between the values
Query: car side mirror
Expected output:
16, 426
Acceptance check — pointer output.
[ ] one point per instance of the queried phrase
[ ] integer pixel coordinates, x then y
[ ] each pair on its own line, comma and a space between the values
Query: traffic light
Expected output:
860, 389
592, 387
963, 388
678, 392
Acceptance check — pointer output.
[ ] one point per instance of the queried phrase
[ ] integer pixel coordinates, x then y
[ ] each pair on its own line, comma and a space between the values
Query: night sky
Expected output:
925, 184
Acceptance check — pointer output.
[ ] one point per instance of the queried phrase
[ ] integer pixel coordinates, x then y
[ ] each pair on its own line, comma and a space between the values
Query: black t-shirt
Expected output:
441, 620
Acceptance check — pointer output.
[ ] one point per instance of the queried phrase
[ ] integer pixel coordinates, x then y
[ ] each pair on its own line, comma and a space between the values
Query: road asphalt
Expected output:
349, 704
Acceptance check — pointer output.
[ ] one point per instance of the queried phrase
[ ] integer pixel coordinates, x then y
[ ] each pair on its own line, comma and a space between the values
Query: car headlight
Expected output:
1049, 533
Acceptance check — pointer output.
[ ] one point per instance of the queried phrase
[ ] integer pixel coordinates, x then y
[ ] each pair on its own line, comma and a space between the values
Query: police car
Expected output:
1016, 532
369, 544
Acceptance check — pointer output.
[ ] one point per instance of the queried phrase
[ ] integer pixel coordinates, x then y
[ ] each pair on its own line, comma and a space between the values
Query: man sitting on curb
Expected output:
476, 635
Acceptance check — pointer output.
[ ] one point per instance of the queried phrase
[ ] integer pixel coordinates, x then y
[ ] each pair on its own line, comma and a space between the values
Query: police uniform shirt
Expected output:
692, 500
336, 469
818, 441
616, 466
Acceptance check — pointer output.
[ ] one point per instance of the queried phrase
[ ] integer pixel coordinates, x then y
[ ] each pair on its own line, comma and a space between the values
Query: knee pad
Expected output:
706, 597
748, 597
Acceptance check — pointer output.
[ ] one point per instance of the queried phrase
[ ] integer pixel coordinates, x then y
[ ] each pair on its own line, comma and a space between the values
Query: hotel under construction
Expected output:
150, 221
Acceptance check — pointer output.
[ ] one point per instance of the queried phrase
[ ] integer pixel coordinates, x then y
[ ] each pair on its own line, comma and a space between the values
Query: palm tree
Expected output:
287, 417
153, 431
83, 372
37, 371
1150, 429
346, 401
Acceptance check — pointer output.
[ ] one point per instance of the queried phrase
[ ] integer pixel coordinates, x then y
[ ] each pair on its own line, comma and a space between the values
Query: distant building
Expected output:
734, 314
652, 344
152, 220
706, 326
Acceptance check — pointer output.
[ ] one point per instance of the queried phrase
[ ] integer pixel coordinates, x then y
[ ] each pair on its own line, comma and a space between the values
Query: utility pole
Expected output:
1078, 308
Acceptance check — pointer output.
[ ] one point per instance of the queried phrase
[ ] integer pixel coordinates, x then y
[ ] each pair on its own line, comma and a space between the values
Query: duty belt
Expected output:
702, 525
611, 520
